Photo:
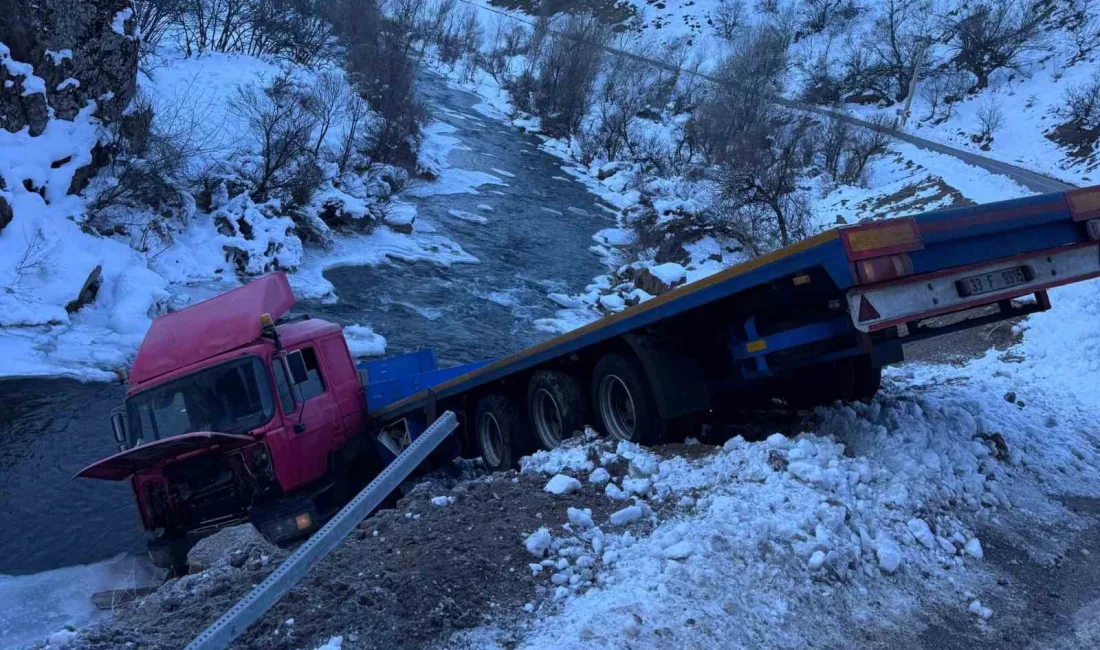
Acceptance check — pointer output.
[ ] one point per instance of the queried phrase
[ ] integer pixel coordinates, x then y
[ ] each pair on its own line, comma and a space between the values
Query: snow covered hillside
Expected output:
218, 192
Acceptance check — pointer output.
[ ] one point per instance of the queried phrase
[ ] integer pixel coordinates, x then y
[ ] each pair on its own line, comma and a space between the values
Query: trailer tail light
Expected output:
880, 269
881, 238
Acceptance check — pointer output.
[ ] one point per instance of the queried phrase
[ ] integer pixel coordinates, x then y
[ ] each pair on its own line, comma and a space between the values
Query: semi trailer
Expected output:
237, 412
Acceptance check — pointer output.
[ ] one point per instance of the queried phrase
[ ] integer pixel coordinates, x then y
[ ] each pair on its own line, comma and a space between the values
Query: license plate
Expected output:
994, 281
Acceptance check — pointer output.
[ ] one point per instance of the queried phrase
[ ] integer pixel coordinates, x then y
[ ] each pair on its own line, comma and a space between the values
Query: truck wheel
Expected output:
624, 401
499, 432
556, 406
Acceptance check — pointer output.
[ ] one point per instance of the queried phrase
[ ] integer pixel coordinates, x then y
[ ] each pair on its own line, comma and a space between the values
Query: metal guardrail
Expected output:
264, 595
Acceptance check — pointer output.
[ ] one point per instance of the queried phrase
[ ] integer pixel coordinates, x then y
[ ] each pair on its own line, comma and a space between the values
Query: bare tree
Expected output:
729, 18
1081, 104
866, 145
942, 91
567, 71
990, 120
899, 37
155, 17
991, 37
765, 178
736, 113
327, 103
282, 125
355, 113
820, 15
835, 139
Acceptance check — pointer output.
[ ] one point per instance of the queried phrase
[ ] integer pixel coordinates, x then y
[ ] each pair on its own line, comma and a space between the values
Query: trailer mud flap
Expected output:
676, 379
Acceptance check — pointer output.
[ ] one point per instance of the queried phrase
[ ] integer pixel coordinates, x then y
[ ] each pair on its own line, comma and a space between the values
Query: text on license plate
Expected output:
994, 281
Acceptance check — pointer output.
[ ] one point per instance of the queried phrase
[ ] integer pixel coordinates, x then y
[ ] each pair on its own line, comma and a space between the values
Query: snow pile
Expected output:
363, 342
873, 510
38, 607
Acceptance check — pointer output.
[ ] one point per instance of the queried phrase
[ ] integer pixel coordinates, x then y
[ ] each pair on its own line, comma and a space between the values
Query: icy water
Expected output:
528, 243
531, 236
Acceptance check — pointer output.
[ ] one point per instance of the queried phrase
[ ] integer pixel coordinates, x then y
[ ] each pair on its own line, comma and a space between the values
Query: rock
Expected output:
888, 555
922, 532
627, 515
639, 486
642, 466
538, 541
535, 569
679, 551
101, 59
1010, 397
580, 519
562, 484
614, 493
88, 292
947, 545
816, 560
442, 502
599, 476
976, 608
607, 171
659, 279
974, 549
6, 214
226, 544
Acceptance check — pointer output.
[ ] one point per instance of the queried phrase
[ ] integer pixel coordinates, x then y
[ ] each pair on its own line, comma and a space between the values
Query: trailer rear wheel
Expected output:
556, 405
624, 400
499, 432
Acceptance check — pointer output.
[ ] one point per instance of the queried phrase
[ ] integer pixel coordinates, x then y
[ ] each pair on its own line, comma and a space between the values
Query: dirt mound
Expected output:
406, 578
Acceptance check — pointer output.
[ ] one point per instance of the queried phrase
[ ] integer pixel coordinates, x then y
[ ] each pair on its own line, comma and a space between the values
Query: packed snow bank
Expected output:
36, 606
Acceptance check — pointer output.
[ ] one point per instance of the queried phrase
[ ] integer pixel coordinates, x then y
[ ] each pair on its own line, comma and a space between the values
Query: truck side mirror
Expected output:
296, 363
118, 426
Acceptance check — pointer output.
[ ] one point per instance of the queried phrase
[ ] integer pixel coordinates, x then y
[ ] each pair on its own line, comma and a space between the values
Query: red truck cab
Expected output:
235, 415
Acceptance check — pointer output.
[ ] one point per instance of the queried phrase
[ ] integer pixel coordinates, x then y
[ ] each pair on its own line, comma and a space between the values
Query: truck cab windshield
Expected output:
232, 397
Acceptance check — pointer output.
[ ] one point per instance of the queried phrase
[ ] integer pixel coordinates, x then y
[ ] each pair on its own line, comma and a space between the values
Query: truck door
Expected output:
314, 425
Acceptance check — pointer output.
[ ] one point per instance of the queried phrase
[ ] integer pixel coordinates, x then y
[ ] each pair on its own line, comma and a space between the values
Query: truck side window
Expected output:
286, 395
315, 385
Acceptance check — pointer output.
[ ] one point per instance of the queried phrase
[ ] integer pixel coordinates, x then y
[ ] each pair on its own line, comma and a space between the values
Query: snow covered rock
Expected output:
60, 639
816, 560
679, 551
627, 515
888, 555
228, 544
538, 542
639, 486
562, 484
615, 493
977, 609
922, 532
442, 502
642, 466
599, 476
974, 548
580, 519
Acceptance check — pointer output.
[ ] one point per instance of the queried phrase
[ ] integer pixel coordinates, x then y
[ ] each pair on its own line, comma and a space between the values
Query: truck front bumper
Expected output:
916, 298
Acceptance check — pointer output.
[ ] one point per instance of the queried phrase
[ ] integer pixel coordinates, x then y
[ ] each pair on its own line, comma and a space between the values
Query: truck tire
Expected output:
556, 407
499, 432
624, 401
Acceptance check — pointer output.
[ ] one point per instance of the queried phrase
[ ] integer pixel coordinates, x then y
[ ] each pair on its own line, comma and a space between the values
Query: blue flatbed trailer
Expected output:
830, 311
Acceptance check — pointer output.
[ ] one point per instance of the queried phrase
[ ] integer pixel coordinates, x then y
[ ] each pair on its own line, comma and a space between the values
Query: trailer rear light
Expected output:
880, 269
881, 238
1084, 204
